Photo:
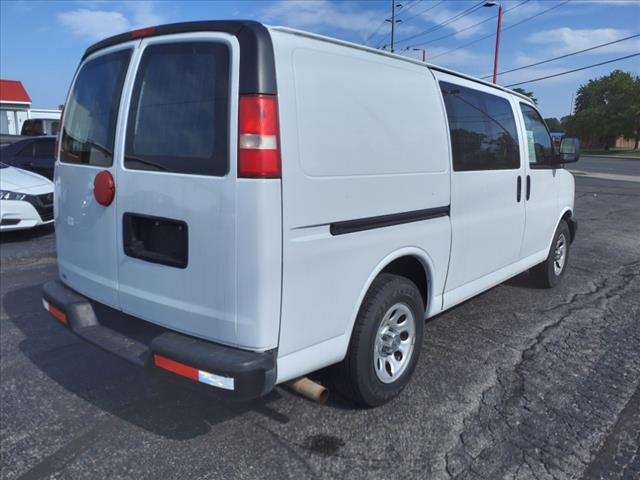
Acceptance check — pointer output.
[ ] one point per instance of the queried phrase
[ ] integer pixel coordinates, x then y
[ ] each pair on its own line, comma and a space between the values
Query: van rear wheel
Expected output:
548, 273
385, 344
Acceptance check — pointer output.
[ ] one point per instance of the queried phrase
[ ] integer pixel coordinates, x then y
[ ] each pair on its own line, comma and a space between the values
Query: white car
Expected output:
26, 199
242, 205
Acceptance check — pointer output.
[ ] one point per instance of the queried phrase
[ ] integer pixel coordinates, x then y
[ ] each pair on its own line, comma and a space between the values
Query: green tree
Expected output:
553, 124
526, 94
606, 108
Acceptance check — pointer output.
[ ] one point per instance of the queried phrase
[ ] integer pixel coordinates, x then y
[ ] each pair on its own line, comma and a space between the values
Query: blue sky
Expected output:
41, 42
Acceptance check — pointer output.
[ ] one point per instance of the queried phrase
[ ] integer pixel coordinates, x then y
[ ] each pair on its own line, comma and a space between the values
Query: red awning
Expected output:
12, 91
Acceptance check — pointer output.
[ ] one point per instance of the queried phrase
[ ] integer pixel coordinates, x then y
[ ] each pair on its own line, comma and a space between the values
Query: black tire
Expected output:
355, 377
546, 274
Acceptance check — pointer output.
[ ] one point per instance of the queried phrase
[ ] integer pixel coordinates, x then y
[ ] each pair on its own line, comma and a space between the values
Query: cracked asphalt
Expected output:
517, 383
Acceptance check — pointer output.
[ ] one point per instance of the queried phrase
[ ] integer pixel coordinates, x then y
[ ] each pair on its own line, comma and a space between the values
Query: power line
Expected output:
375, 32
443, 24
405, 20
504, 29
474, 25
574, 70
566, 55
407, 7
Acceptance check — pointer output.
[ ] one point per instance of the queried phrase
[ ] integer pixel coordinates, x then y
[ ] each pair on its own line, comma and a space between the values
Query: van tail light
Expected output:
258, 137
58, 134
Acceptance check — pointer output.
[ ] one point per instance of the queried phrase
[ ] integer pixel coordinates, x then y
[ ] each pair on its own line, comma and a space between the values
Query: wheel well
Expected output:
572, 226
413, 269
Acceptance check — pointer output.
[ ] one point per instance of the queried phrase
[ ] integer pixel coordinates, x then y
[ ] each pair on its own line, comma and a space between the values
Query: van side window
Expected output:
483, 130
179, 120
538, 139
90, 115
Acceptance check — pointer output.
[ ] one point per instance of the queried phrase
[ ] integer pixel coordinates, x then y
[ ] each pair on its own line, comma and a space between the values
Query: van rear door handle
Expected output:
528, 186
519, 189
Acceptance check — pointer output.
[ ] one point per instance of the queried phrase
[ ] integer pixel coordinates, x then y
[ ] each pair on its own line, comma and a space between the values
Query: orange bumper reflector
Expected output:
56, 312
175, 367
219, 381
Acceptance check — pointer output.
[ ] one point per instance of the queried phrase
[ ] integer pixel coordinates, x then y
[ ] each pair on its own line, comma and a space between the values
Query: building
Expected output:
14, 106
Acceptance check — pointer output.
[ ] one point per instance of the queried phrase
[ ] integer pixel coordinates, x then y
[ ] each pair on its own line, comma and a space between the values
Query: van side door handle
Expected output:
528, 186
519, 189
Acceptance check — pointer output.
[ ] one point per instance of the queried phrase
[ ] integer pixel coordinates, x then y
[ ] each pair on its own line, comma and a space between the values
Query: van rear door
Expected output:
86, 230
175, 187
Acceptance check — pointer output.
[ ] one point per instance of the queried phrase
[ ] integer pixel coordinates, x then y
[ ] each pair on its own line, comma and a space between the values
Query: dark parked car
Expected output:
40, 126
35, 154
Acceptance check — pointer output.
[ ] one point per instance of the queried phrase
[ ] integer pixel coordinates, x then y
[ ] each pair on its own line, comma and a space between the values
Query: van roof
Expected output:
397, 57
259, 64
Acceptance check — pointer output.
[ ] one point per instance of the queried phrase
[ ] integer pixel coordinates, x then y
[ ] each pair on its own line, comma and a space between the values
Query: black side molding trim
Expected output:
360, 224
257, 64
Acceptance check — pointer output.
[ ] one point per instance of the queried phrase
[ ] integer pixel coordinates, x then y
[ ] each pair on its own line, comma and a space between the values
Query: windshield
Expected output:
91, 112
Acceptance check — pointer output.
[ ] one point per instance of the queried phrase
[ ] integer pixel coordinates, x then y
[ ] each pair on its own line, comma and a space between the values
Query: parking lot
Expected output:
516, 383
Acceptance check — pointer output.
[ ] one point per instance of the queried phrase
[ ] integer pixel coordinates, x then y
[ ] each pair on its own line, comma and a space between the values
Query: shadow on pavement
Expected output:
149, 401
25, 235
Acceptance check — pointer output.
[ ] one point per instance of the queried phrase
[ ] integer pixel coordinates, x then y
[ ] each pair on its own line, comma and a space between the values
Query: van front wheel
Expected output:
385, 344
548, 273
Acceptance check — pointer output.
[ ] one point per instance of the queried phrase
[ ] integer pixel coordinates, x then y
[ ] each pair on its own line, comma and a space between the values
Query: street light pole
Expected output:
495, 59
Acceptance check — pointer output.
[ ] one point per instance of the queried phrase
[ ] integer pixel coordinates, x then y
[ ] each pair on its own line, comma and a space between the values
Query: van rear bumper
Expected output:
235, 373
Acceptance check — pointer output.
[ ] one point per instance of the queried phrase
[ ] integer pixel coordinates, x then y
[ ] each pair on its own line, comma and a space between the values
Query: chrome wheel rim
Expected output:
394, 343
559, 254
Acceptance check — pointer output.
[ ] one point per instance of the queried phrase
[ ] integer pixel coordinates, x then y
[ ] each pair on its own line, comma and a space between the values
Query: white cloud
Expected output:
94, 24
322, 14
99, 24
144, 14
565, 40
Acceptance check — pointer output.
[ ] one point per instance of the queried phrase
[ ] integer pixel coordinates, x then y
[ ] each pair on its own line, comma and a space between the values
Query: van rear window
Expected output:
92, 110
178, 120
483, 129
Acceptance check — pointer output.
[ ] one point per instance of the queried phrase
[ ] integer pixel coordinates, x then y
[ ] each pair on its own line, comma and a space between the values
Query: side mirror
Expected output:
569, 150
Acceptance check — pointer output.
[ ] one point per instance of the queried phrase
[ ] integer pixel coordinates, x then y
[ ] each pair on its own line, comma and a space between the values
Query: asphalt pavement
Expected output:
614, 165
518, 383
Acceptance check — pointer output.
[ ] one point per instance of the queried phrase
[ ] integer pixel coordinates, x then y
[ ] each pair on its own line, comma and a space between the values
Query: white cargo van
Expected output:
242, 205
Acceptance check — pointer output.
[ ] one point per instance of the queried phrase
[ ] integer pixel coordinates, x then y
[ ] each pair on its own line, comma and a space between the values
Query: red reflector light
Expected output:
104, 188
258, 137
56, 312
175, 367
142, 32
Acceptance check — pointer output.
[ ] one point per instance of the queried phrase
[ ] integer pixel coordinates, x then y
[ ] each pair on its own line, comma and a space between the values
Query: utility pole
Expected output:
393, 21
571, 106
393, 25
